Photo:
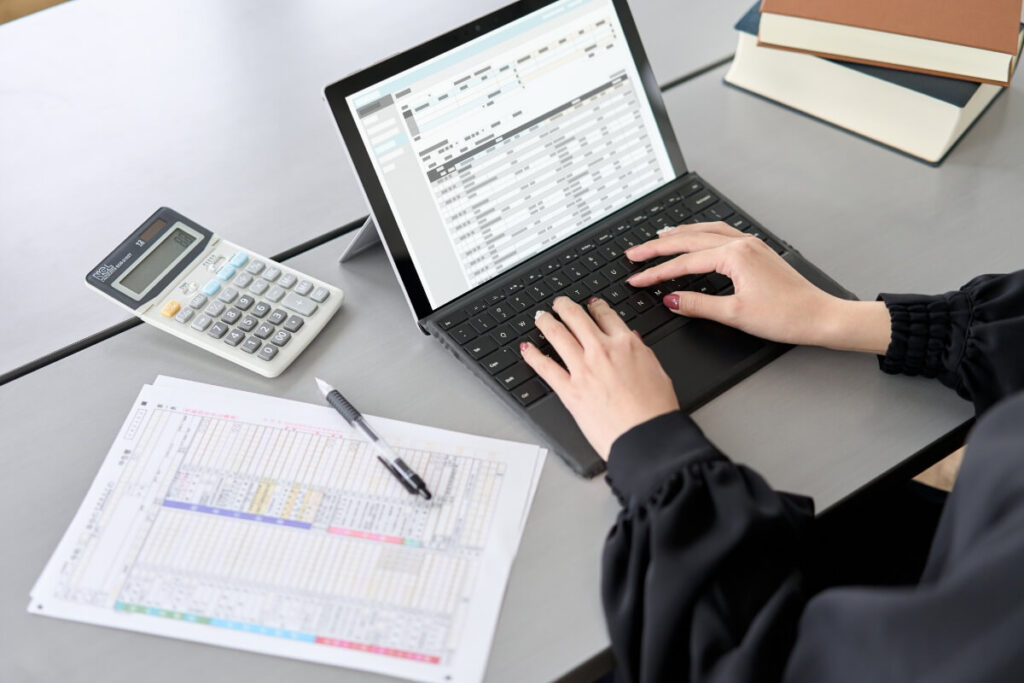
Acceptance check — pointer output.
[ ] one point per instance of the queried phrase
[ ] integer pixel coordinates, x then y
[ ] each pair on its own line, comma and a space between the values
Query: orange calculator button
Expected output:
171, 309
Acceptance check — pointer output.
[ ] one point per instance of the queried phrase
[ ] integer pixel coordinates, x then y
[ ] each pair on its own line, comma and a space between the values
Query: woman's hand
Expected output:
611, 382
770, 300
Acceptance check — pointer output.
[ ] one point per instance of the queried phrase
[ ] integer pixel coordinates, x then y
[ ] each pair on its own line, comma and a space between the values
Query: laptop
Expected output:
513, 160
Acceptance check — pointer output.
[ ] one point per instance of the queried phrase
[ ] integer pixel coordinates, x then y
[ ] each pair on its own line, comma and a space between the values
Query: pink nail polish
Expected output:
523, 347
671, 301
592, 300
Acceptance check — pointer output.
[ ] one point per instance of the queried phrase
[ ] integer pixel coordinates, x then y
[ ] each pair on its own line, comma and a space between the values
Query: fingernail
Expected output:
665, 230
539, 313
630, 279
523, 347
671, 301
592, 300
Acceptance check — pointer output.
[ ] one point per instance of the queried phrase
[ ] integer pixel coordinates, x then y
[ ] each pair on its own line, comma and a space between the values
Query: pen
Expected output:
408, 478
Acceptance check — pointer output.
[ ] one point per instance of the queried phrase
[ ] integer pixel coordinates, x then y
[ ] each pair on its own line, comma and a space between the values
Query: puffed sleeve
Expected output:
972, 339
700, 577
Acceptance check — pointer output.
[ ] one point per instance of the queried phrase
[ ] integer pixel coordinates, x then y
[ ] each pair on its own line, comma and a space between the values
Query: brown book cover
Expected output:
985, 24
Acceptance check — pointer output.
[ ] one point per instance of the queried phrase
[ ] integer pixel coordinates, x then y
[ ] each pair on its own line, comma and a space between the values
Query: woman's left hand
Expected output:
611, 382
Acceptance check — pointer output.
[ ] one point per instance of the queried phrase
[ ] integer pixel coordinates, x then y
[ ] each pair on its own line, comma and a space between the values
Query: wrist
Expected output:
862, 326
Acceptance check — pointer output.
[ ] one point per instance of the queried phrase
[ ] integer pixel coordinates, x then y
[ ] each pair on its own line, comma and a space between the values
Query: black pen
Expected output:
412, 482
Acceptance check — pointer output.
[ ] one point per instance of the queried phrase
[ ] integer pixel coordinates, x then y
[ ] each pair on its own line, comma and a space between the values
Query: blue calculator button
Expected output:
226, 273
239, 259
211, 288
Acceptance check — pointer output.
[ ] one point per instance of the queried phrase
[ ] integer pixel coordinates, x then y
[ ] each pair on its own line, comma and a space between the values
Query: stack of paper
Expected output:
268, 525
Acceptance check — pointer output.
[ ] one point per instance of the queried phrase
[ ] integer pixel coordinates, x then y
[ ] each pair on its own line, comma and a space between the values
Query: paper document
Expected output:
268, 525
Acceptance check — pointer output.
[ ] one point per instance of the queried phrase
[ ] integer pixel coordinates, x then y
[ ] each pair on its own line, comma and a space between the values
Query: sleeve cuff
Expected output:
922, 333
645, 457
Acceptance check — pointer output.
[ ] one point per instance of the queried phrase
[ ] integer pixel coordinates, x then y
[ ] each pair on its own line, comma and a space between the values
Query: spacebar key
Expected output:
299, 304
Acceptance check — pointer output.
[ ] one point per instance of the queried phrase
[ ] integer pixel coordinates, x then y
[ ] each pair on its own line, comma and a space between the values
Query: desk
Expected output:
111, 108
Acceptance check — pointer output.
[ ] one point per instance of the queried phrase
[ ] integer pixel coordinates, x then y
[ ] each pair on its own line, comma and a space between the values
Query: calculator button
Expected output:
259, 286
275, 294
198, 301
320, 294
218, 330
293, 323
201, 322
287, 280
299, 304
268, 352
281, 338
304, 288
185, 315
214, 309
170, 309
228, 295
234, 337
243, 280
211, 288
254, 268
239, 259
272, 274
278, 317
251, 345
226, 273
260, 309
248, 323
244, 302
231, 316
264, 330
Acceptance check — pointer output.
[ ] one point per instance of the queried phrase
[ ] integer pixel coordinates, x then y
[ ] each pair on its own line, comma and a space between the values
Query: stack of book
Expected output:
910, 74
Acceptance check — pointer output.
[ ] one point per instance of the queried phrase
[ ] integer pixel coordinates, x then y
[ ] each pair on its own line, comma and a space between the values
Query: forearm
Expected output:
862, 326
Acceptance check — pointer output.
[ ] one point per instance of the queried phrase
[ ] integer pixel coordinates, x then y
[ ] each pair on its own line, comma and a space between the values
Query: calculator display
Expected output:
156, 262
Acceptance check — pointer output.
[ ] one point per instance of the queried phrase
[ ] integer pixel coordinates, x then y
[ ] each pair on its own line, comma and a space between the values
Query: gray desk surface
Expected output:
111, 108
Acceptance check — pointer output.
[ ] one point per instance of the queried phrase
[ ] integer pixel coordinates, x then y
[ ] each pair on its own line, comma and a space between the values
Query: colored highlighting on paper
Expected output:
236, 514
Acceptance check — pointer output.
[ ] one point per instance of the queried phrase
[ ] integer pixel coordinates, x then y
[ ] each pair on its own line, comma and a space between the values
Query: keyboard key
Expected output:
501, 311
277, 316
739, 222
610, 251
718, 282
593, 261
523, 323
578, 292
673, 198
626, 241
621, 228
537, 338
463, 333
625, 312
248, 324
498, 361
243, 280
218, 330
603, 237
258, 286
520, 302
264, 330
198, 301
539, 292
568, 257
514, 375
677, 214
268, 352
211, 288
574, 272
512, 288
692, 187
228, 295
299, 304
234, 337
556, 282
185, 315
231, 316
251, 345
615, 294
641, 302
614, 272
718, 212
587, 246
550, 267
255, 267
532, 278
273, 272
504, 334
245, 302
699, 201
492, 299
452, 319
239, 259
649, 230
281, 337
476, 309
596, 282
483, 322
304, 287
320, 294
293, 323
226, 273
480, 347
261, 309
287, 280
214, 309
530, 391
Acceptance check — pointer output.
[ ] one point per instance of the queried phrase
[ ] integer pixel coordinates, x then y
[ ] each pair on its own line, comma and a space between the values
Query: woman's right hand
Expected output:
770, 300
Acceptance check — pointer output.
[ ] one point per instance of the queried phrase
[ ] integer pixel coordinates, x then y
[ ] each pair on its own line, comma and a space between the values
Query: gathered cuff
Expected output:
922, 333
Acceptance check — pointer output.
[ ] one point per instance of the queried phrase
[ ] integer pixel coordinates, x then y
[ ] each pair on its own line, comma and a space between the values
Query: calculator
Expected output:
246, 308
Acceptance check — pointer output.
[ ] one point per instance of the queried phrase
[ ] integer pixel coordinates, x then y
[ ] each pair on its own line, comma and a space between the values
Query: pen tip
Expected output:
324, 387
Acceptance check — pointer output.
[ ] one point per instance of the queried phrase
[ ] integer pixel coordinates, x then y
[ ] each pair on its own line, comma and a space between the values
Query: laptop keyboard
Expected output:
491, 329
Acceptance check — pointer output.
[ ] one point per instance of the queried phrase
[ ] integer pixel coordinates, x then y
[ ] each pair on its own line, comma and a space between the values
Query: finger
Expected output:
558, 335
605, 316
697, 305
576, 319
545, 367
719, 227
677, 244
687, 264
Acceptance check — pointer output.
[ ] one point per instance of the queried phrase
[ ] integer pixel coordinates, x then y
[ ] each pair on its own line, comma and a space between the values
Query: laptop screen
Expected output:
499, 148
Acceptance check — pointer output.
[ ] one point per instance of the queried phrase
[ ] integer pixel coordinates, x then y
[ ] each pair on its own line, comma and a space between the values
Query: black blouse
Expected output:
701, 579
